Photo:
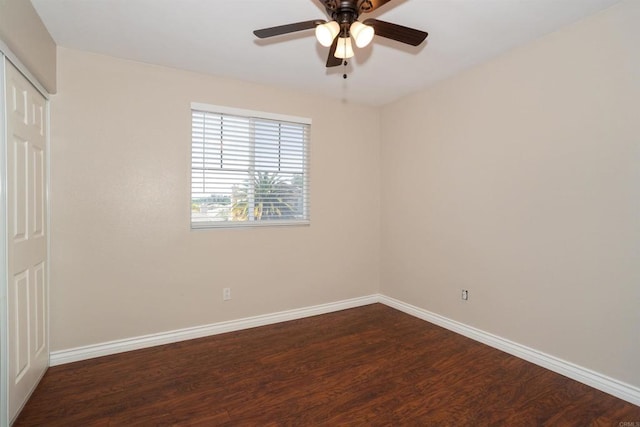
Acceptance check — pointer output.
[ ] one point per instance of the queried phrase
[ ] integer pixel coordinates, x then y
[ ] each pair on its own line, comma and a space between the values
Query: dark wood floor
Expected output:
366, 366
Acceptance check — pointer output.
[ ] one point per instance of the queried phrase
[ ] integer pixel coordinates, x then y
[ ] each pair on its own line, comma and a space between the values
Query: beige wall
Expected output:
124, 262
24, 33
520, 181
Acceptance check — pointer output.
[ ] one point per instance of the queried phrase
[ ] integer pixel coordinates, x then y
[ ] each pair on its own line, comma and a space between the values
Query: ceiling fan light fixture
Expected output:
344, 50
361, 33
325, 33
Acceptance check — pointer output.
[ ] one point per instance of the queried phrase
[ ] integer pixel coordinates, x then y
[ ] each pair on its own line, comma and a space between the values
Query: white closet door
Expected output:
27, 293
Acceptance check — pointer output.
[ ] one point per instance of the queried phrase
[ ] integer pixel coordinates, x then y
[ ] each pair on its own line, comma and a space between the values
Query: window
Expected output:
248, 168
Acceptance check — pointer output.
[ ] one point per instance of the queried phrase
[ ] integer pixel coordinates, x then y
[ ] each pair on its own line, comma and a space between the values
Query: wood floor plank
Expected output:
366, 366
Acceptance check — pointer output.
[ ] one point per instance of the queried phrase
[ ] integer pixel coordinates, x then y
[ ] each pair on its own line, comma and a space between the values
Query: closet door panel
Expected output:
27, 294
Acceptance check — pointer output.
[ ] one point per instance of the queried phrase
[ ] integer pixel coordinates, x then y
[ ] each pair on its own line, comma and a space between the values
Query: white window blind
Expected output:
248, 168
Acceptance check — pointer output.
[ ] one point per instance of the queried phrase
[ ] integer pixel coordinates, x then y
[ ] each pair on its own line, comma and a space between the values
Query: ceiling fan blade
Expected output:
332, 61
366, 6
286, 29
397, 32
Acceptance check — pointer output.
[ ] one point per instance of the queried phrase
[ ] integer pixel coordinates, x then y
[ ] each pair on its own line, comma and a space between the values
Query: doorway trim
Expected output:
4, 316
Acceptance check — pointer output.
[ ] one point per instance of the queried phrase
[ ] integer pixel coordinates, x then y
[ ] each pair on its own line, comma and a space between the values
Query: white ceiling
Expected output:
215, 37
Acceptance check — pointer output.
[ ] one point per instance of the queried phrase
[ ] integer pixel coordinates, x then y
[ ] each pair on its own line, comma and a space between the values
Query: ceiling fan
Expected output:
344, 25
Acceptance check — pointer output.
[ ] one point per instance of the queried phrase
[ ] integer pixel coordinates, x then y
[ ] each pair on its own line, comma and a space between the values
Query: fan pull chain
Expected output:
344, 76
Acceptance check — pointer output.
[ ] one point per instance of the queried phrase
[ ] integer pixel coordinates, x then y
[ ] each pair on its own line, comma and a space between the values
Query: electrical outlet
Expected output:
226, 294
465, 294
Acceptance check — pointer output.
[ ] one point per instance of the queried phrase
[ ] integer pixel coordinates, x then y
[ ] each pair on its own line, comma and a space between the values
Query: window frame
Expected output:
258, 115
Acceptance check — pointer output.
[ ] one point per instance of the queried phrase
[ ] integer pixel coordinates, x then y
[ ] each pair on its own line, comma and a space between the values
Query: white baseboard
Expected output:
119, 346
586, 376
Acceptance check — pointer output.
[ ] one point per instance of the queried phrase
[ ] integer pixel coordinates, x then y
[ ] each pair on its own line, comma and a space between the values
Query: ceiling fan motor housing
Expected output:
344, 12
